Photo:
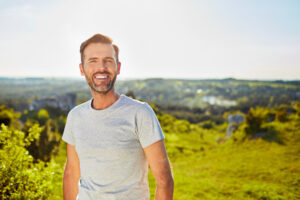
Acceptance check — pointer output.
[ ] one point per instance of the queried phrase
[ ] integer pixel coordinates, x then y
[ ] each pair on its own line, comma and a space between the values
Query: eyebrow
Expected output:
92, 58
111, 58
96, 58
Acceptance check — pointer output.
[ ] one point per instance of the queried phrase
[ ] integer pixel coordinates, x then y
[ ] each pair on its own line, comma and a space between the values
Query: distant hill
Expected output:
213, 95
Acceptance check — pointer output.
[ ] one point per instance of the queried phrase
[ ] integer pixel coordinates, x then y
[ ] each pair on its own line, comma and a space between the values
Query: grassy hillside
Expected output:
239, 168
206, 166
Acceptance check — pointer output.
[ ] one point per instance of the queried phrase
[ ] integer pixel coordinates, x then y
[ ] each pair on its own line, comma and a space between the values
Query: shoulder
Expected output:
141, 110
136, 104
79, 108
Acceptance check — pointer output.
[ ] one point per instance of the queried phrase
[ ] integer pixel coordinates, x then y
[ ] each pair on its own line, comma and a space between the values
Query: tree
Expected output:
20, 177
43, 115
281, 114
9, 117
130, 94
47, 144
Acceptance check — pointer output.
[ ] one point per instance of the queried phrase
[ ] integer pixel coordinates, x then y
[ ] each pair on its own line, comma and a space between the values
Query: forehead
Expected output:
99, 50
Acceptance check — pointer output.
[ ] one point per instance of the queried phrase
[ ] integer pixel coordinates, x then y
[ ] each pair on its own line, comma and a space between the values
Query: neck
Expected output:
102, 101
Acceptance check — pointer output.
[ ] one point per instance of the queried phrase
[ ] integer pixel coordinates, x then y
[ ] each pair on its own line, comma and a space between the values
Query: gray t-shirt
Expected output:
109, 144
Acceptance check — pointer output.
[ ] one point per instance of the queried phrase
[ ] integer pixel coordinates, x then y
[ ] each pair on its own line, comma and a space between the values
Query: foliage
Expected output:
282, 114
172, 125
296, 107
20, 177
205, 164
130, 93
208, 167
256, 117
46, 145
207, 124
178, 97
43, 115
9, 117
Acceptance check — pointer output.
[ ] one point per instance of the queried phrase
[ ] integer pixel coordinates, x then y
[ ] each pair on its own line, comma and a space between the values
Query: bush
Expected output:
256, 117
20, 177
9, 117
47, 144
43, 115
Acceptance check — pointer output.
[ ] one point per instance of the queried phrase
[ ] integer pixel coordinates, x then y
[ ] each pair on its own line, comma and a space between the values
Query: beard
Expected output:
102, 88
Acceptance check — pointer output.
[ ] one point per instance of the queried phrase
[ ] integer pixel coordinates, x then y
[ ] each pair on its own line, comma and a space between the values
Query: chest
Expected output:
105, 133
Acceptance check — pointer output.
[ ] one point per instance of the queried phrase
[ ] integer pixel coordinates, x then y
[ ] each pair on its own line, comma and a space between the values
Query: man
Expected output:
112, 138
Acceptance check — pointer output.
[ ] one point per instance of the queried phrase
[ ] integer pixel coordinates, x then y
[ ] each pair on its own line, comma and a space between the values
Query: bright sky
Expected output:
251, 39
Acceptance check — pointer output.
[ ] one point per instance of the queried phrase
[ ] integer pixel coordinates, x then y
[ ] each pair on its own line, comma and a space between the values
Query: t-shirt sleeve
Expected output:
68, 135
148, 127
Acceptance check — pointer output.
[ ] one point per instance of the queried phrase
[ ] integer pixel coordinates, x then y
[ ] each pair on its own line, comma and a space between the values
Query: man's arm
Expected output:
71, 174
159, 163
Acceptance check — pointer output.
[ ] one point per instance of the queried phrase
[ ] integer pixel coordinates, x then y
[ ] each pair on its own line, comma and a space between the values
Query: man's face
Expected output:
99, 67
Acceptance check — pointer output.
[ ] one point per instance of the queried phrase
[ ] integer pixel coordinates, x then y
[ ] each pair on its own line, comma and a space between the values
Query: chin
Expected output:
101, 90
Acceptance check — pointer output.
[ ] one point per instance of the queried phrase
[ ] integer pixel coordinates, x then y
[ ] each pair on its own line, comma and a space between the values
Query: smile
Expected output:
101, 77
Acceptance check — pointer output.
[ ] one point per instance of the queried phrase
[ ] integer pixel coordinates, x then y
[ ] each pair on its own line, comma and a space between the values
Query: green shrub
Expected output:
43, 115
256, 117
20, 177
47, 144
9, 117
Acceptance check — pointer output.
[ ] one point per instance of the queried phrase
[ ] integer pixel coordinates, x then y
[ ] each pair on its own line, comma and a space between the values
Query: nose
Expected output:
101, 65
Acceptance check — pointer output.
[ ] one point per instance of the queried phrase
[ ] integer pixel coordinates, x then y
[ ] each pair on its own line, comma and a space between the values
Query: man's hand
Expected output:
71, 174
159, 163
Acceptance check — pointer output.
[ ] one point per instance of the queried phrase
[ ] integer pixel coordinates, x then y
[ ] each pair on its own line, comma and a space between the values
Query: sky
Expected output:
192, 39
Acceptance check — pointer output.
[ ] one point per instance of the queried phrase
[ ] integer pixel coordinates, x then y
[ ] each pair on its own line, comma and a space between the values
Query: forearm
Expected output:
165, 191
70, 186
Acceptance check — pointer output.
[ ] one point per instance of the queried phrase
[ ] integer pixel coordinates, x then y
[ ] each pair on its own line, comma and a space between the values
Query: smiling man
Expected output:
112, 138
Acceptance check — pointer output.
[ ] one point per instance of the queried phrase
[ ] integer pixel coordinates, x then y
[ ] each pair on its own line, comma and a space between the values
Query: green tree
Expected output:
296, 107
281, 114
130, 93
9, 117
20, 177
47, 144
43, 115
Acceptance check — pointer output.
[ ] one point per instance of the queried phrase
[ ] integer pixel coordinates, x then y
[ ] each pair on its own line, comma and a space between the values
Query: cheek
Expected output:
86, 70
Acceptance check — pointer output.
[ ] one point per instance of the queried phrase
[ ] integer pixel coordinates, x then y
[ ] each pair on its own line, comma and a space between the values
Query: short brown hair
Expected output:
98, 38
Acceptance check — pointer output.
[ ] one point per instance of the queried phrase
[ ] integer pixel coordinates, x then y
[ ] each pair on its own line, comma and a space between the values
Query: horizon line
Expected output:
147, 78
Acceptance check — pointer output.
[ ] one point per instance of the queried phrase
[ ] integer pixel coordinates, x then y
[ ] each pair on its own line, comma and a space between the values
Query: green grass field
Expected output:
205, 166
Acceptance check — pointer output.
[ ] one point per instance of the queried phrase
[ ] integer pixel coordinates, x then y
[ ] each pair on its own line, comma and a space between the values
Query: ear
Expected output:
119, 68
81, 69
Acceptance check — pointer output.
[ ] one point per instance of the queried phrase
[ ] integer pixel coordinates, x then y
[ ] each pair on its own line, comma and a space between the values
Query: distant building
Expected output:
65, 102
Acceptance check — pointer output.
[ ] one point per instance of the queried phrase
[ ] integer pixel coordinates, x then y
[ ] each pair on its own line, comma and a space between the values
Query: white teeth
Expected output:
101, 77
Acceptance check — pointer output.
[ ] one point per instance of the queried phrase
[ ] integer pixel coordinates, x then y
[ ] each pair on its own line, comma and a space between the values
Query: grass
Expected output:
60, 159
238, 168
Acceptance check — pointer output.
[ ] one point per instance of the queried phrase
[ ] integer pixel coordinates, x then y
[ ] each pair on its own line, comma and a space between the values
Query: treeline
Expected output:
190, 93
232, 93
